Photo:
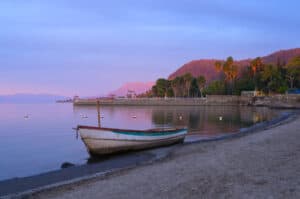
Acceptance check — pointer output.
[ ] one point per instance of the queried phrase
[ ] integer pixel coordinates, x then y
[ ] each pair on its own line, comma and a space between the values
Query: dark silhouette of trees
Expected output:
187, 79
201, 81
257, 76
293, 71
230, 70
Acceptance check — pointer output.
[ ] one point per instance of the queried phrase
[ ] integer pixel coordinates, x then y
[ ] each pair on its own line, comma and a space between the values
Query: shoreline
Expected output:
89, 172
264, 165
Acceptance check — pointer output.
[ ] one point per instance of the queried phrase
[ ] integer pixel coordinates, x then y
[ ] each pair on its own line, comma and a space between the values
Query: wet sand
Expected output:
259, 165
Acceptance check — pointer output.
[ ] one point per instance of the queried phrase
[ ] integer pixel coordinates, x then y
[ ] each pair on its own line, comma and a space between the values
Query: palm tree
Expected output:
175, 86
270, 75
256, 65
201, 83
187, 78
229, 68
218, 66
293, 71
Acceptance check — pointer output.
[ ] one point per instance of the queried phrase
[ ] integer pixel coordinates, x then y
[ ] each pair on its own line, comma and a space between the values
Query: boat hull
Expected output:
100, 142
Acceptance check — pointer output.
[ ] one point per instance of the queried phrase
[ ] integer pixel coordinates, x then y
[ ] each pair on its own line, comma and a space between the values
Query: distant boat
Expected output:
101, 141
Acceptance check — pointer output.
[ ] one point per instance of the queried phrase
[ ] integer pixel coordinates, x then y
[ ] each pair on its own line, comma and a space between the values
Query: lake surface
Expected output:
45, 140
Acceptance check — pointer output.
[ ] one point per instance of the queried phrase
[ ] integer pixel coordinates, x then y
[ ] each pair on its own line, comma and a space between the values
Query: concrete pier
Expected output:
275, 101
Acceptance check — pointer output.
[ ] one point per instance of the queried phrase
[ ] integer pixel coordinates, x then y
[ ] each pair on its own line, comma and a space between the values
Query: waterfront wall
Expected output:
276, 101
144, 101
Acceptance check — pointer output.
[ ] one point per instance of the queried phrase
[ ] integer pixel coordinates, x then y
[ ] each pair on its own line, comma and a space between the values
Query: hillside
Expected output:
206, 67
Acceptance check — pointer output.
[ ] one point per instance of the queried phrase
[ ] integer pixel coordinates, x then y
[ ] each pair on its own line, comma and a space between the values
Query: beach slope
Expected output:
259, 165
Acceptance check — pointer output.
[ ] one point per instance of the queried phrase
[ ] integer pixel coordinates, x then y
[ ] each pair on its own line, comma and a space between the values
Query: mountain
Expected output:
137, 87
30, 98
283, 56
206, 67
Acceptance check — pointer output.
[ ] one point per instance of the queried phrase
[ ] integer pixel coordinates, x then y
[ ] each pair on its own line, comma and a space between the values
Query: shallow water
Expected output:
45, 140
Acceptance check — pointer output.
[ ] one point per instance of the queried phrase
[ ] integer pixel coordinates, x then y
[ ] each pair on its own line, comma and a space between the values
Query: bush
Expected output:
215, 88
282, 89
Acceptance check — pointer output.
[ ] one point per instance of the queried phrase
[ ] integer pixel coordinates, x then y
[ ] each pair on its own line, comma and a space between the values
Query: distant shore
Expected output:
274, 101
260, 165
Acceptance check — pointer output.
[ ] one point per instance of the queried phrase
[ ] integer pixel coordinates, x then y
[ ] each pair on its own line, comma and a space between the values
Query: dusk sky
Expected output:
92, 47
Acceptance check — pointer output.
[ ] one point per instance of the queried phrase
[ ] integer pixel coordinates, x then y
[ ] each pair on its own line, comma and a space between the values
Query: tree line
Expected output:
268, 78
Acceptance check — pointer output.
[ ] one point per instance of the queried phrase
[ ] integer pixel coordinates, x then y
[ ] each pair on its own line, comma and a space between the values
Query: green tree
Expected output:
230, 70
169, 91
293, 71
244, 84
162, 87
194, 90
187, 78
272, 78
201, 81
256, 66
154, 91
177, 85
215, 88
218, 66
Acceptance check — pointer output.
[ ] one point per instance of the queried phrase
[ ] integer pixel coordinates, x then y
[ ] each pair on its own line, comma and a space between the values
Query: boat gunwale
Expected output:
156, 130
177, 137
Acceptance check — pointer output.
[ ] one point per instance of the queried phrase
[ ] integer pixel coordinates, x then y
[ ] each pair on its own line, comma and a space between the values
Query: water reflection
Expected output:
45, 140
201, 120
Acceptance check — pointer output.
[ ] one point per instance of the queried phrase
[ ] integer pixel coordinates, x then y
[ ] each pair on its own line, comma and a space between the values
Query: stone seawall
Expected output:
276, 101
143, 101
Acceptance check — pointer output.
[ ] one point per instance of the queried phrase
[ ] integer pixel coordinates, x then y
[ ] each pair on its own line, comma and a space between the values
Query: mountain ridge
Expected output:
206, 68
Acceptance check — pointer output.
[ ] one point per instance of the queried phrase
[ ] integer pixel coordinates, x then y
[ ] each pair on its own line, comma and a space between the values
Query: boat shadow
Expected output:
94, 158
151, 153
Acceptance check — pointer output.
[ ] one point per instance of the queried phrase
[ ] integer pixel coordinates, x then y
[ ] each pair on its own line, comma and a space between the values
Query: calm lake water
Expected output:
45, 140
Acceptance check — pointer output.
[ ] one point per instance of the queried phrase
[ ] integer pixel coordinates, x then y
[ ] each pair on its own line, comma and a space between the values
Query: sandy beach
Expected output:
259, 165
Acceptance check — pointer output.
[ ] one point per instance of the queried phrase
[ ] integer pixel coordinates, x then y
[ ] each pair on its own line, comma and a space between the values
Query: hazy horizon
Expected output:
71, 47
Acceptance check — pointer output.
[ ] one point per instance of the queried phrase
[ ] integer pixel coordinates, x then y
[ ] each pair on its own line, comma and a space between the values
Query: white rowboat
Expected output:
101, 141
